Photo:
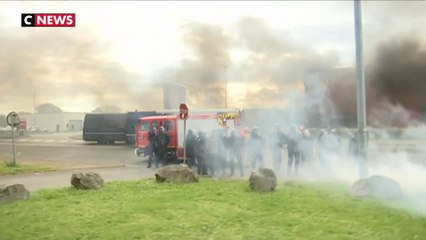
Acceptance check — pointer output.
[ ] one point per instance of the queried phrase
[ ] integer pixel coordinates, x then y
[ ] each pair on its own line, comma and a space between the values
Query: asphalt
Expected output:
60, 179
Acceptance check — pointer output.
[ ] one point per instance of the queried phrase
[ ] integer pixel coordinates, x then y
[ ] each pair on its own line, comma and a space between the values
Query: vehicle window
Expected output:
155, 125
105, 122
144, 126
168, 125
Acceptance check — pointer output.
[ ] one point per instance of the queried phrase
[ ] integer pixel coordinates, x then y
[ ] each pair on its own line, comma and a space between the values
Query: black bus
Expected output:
104, 127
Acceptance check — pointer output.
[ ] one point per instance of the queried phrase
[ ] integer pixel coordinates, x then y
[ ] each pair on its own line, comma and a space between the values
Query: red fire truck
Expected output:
199, 120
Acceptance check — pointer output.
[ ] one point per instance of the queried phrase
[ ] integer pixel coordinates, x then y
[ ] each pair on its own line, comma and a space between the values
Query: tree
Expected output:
48, 108
108, 108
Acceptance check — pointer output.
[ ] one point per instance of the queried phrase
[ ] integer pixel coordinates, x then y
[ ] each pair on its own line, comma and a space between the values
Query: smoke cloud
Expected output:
399, 75
205, 75
68, 70
273, 69
278, 63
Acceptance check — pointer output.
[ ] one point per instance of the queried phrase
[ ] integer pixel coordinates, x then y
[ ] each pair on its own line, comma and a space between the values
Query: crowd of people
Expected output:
223, 151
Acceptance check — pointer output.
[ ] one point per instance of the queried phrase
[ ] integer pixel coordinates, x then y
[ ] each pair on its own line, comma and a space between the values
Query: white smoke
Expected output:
398, 159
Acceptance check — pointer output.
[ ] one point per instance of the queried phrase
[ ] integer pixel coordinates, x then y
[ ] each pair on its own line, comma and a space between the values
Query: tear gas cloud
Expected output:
402, 166
395, 98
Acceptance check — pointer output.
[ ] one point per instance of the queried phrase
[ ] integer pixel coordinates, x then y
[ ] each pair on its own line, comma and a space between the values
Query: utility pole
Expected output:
226, 86
361, 105
34, 108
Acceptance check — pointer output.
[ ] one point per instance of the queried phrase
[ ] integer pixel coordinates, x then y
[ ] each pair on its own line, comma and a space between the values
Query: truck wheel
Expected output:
111, 142
102, 140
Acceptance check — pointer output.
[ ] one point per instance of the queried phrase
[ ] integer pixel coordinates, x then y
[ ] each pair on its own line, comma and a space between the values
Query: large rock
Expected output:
264, 180
13, 192
88, 180
377, 187
176, 173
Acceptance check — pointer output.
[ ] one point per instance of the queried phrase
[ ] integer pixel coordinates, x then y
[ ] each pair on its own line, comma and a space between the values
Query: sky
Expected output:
122, 53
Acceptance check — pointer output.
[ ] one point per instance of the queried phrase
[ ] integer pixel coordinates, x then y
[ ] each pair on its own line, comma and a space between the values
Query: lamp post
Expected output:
226, 86
361, 106
34, 108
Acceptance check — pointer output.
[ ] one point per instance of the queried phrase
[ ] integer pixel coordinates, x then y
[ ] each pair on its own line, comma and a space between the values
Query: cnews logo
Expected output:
48, 19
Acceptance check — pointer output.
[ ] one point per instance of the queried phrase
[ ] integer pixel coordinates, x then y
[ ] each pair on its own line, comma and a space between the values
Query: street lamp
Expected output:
34, 108
226, 86
361, 112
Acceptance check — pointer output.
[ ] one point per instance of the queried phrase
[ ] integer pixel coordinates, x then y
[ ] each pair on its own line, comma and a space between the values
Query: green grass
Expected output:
210, 209
8, 168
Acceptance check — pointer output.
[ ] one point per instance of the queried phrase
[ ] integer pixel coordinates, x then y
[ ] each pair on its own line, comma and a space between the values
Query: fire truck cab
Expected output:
206, 121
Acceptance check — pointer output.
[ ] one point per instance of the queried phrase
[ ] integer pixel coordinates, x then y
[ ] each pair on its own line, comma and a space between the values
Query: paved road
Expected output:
95, 155
68, 152
68, 149
36, 181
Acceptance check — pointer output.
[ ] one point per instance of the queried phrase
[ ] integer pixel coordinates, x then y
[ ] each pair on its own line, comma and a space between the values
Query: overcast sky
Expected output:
121, 53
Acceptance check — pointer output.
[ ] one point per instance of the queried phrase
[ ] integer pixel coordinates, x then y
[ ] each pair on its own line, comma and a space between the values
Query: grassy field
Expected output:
211, 209
7, 168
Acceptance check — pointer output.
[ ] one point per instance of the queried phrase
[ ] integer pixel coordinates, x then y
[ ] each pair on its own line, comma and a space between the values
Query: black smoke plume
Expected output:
398, 78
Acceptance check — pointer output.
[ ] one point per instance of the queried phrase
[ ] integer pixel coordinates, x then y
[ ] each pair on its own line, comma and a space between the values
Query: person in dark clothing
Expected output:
201, 153
256, 149
352, 147
162, 141
190, 148
293, 148
277, 142
306, 147
235, 144
323, 154
218, 160
355, 152
151, 148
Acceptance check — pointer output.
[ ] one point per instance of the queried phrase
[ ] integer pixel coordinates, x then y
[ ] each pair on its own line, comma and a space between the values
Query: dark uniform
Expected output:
190, 148
162, 141
277, 142
235, 144
151, 148
201, 153
293, 139
307, 147
256, 149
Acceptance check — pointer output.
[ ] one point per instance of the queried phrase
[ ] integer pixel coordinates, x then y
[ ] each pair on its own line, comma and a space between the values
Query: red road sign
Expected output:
183, 114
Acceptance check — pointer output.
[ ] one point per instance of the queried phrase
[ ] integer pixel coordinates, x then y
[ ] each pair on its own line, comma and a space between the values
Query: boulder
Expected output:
88, 180
176, 173
13, 192
377, 187
264, 180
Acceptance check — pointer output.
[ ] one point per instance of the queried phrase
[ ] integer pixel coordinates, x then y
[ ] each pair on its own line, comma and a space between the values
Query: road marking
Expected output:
36, 140
49, 140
